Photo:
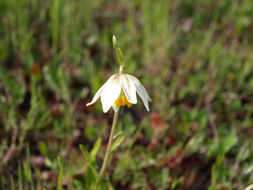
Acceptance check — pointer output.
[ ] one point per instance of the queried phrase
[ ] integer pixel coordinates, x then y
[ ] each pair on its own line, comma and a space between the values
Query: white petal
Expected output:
110, 92
129, 88
141, 91
99, 92
97, 95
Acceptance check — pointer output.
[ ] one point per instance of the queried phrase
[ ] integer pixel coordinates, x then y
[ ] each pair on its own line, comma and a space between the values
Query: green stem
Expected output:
108, 149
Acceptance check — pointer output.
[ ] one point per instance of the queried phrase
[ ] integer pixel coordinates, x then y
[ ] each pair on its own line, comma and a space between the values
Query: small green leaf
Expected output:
27, 167
85, 152
95, 149
229, 141
119, 53
117, 135
117, 142
91, 175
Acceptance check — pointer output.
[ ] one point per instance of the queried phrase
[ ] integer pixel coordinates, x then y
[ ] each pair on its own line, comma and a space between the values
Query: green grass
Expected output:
194, 58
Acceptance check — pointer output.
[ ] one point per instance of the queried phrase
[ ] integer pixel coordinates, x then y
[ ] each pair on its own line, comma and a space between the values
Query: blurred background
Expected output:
193, 57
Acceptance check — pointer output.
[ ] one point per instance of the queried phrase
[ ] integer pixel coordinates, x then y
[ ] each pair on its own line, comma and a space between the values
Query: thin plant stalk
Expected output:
108, 149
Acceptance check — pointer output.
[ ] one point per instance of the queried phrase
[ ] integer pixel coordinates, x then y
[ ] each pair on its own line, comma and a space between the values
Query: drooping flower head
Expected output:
120, 90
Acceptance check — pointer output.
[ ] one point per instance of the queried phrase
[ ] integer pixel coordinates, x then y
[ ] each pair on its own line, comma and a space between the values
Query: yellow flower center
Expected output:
122, 101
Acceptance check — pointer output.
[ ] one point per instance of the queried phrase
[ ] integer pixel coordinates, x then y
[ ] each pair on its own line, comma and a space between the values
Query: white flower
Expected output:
120, 90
